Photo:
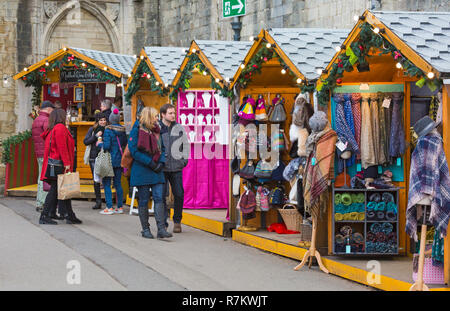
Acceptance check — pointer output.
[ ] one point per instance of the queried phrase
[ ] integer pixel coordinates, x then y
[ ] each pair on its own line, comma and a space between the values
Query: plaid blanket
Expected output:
429, 175
315, 182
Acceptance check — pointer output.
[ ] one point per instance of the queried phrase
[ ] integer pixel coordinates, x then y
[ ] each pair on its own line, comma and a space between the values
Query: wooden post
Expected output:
419, 285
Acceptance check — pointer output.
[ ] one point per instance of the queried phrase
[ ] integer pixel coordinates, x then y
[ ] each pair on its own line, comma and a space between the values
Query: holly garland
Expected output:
12, 141
144, 72
357, 53
186, 76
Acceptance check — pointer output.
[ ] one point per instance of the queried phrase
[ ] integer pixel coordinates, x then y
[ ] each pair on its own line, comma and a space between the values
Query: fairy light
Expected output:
142, 56
135, 56
268, 45
129, 75
355, 18
398, 65
83, 64
47, 64
174, 71
166, 85
299, 81
430, 75
242, 65
25, 69
105, 68
376, 30
319, 71
227, 79
194, 51
217, 80
338, 49
205, 73
283, 71
252, 38
156, 83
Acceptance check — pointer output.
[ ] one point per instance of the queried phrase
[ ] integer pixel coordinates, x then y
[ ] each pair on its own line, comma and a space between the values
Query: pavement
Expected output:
113, 256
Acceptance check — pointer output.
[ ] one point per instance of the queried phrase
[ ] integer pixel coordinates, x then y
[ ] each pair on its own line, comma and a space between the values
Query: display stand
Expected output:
312, 252
419, 285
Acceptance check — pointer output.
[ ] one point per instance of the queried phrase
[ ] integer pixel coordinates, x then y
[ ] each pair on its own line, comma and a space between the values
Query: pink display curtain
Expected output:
206, 182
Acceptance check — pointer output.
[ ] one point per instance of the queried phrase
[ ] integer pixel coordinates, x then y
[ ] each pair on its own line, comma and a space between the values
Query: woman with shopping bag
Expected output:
114, 141
95, 134
58, 160
146, 148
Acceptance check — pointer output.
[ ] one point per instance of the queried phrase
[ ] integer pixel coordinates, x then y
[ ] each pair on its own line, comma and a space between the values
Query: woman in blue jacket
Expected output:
114, 141
146, 148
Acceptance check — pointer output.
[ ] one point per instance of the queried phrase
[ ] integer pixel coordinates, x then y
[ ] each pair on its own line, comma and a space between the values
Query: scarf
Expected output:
397, 143
384, 157
149, 141
98, 129
315, 181
374, 114
367, 143
356, 110
429, 175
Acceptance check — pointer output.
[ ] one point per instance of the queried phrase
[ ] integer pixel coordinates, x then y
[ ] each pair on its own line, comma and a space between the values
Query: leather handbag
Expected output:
126, 162
54, 167
248, 171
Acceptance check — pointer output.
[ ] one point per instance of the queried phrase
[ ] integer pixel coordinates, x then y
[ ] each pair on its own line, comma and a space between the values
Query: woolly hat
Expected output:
114, 117
99, 115
318, 121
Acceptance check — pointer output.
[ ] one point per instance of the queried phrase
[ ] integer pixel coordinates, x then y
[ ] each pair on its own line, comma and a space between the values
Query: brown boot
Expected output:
176, 228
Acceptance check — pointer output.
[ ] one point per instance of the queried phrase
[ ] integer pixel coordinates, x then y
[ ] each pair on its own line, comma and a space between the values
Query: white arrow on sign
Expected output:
239, 6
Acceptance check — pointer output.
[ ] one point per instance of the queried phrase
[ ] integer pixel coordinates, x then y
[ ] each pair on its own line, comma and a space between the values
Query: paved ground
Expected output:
113, 256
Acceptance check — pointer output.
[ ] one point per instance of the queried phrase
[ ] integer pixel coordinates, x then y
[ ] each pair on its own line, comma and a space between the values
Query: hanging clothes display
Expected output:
429, 177
367, 142
384, 133
397, 144
375, 126
356, 110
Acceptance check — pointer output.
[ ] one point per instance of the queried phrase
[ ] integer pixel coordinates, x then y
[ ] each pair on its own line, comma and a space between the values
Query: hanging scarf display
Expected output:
356, 110
397, 143
367, 143
383, 132
375, 126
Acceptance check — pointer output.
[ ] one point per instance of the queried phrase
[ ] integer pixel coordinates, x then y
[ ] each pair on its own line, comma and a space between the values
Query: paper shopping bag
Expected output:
69, 186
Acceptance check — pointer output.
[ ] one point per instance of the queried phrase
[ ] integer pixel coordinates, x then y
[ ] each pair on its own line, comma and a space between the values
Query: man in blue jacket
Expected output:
177, 149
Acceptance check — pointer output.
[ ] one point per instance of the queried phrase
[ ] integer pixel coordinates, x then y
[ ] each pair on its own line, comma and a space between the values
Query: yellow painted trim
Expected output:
336, 268
202, 223
39, 64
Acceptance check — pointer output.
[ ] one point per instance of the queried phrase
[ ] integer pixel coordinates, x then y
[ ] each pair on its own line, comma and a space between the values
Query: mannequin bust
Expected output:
346, 155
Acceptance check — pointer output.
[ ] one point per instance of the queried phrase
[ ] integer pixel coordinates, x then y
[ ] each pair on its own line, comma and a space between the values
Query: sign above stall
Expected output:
233, 8
76, 75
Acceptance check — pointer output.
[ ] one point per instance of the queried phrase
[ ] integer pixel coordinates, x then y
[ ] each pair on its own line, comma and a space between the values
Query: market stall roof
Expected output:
427, 33
116, 64
163, 62
303, 50
222, 58
421, 37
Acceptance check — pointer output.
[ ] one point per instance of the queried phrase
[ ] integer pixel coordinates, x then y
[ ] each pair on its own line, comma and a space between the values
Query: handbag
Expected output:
278, 114
87, 153
248, 171
235, 163
277, 196
126, 168
103, 165
69, 186
54, 166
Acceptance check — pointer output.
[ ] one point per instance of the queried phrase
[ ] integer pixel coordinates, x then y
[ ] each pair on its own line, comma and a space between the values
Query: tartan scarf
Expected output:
149, 141
356, 110
375, 127
315, 181
429, 175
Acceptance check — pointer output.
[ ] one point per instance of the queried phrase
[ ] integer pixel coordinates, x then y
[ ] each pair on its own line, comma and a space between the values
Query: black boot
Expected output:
160, 221
98, 196
56, 217
46, 220
71, 218
143, 217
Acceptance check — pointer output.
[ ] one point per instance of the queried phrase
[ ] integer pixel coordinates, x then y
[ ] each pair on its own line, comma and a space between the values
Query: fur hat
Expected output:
114, 117
318, 121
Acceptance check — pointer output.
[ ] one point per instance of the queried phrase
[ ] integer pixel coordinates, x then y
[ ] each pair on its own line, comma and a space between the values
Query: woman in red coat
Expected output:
59, 148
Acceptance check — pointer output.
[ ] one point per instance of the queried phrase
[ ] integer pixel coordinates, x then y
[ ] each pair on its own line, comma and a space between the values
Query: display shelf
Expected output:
366, 223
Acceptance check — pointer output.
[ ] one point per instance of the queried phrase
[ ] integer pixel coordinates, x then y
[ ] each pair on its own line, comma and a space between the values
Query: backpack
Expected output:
277, 196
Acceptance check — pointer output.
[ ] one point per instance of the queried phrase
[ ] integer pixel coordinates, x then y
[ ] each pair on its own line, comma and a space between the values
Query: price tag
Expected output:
364, 87
399, 161
313, 161
380, 170
348, 249
341, 146
386, 102
358, 167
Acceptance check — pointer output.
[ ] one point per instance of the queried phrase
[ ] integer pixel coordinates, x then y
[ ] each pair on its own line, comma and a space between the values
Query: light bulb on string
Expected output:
338, 49
398, 65
156, 83
205, 73
268, 45
242, 65
430, 75
355, 18
283, 71
194, 51
47, 64
217, 80
299, 81
319, 71
251, 38
376, 30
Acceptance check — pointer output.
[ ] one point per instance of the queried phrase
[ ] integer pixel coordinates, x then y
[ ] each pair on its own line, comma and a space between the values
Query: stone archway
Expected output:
87, 25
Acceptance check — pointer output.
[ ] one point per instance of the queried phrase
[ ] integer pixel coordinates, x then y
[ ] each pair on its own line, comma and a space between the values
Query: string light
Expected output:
283, 71
105, 68
338, 49
376, 30
166, 85
194, 51
430, 75
355, 18
142, 56
319, 71
242, 65
268, 45
299, 81
217, 80
83, 64
252, 38
129, 75
227, 79
398, 65
65, 49
25, 69
205, 73
47, 64
175, 71
157, 83
135, 56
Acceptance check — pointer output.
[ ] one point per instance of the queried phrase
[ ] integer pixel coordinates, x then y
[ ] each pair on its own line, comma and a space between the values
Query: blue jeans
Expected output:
117, 185
144, 197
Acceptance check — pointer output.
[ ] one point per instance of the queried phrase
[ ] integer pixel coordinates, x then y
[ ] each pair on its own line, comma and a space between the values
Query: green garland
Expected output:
357, 54
143, 71
186, 76
12, 141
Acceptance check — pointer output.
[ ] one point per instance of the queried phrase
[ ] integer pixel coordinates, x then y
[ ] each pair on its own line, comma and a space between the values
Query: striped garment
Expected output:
429, 175
356, 109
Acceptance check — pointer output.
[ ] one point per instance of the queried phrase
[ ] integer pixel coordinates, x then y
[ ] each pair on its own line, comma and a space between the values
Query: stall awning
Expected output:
117, 65
427, 33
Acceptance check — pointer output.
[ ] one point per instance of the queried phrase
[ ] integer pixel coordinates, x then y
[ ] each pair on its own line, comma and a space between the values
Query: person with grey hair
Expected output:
105, 108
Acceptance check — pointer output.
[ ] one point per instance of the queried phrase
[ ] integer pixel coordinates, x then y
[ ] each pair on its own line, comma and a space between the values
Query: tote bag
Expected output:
86, 154
103, 165
69, 186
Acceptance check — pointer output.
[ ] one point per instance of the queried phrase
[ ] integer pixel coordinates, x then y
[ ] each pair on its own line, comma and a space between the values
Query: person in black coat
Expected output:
94, 134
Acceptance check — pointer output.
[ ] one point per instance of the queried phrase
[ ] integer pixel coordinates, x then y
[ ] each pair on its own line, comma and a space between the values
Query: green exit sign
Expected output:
233, 8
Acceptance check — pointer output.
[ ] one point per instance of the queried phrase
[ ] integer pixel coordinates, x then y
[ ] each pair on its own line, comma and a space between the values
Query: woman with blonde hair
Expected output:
146, 148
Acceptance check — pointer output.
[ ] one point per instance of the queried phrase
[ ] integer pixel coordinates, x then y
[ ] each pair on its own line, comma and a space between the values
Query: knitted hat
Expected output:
318, 121
99, 115
424, 126
47, 104
114, 117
